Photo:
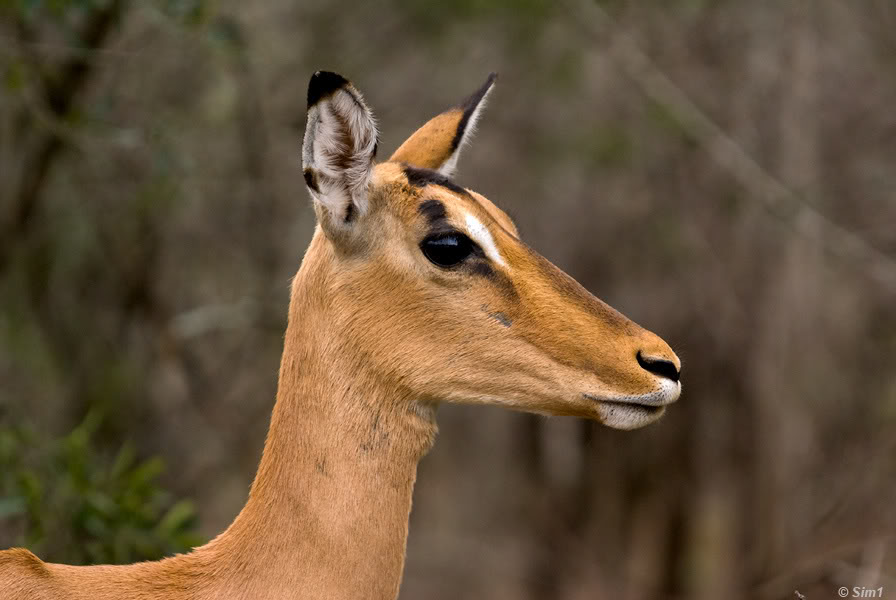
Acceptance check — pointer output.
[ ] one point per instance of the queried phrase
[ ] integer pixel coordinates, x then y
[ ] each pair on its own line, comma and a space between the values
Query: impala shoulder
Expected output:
24, 576
20, 560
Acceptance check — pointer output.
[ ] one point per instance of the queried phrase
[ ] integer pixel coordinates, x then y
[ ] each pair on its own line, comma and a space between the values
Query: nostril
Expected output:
659, 366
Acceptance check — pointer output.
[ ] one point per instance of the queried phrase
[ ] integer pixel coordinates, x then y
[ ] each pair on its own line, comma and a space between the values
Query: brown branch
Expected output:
777, 197
61, 93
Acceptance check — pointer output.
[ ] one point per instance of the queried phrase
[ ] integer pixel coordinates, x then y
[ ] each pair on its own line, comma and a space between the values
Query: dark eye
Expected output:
447, 249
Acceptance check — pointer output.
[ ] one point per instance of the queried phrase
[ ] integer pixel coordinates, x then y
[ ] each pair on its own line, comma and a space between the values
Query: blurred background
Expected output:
723, 172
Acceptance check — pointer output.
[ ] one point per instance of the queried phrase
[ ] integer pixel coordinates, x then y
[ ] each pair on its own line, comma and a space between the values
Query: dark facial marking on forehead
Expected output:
423, 177
436, 215
434, 211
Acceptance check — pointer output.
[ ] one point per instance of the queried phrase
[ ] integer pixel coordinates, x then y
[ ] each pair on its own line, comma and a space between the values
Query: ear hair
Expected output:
472, 109
338, 149
438, 143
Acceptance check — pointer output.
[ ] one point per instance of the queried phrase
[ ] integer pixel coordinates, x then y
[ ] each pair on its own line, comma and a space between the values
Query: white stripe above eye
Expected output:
482, 236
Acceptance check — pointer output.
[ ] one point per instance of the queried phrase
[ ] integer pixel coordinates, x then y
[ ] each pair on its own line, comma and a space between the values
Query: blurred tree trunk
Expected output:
793, 284
61, 88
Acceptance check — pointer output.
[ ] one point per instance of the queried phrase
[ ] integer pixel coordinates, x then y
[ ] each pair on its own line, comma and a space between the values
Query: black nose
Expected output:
659, 366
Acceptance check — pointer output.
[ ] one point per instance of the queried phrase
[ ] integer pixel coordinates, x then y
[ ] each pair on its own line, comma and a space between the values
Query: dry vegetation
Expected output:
724, 172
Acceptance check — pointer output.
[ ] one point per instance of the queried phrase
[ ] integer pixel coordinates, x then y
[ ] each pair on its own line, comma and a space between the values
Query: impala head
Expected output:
430, 285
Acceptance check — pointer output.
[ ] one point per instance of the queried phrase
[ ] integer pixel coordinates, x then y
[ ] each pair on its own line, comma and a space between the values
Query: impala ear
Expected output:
437, 144
338, 151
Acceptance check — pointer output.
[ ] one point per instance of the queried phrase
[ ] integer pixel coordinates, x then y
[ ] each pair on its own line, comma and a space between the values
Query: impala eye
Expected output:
447, 249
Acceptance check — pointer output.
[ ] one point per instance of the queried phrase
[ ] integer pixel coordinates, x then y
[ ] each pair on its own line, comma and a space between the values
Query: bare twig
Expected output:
60, 92
808, 221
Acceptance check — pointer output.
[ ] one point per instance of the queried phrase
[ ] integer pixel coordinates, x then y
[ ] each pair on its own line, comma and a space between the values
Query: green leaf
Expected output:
81, 505
178, 517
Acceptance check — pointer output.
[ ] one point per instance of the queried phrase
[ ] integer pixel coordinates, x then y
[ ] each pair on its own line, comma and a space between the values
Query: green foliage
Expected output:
72, 504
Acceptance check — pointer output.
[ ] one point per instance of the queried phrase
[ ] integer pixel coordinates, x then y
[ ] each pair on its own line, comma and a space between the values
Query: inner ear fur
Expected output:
338, 150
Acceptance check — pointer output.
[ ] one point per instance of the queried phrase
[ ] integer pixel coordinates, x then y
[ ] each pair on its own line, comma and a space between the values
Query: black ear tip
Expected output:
322, 84
473, 101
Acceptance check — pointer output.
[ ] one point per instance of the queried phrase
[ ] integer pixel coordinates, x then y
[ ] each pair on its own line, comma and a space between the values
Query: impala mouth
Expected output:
655, 400
647, 408
626, 405
631, 413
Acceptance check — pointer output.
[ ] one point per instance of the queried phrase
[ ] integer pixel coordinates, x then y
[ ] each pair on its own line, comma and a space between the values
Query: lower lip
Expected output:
644, 408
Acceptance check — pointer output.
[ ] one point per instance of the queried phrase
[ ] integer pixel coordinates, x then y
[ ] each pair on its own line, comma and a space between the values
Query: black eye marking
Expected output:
502, 283
452, 249
434, 211
483, 269
448, 249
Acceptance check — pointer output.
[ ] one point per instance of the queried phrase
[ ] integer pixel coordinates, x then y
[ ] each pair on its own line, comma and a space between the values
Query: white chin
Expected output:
621, 415
631, 412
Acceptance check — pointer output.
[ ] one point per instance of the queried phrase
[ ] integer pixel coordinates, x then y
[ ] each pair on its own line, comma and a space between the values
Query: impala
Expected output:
414, 291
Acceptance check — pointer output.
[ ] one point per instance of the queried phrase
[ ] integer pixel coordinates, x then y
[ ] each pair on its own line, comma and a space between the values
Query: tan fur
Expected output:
426, 147
377, 337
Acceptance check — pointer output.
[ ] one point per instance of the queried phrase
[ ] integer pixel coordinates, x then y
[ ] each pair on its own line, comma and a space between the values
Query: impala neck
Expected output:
327, 515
